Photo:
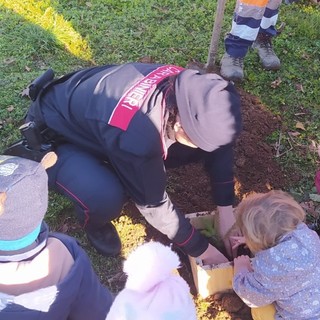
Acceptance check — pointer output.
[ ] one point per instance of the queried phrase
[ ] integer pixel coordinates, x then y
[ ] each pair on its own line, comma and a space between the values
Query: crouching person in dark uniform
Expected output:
121, 125
43, 275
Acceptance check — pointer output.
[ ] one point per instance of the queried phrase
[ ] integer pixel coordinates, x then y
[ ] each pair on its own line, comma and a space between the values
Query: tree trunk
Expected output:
213, 50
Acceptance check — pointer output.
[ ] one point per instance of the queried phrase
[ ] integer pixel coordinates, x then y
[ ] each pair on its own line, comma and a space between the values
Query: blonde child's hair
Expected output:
264, 218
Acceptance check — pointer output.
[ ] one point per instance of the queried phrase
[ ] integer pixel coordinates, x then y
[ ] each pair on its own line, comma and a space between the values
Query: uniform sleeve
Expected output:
219, 165
145, 181
169, 221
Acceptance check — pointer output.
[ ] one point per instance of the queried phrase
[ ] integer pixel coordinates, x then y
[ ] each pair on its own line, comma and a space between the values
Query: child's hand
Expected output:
237, 241
242, 263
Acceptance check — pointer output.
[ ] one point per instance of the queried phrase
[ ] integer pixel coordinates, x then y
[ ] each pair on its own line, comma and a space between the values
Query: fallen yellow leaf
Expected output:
299, 125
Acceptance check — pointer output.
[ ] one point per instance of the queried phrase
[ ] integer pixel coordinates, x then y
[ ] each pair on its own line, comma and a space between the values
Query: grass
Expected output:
67, 35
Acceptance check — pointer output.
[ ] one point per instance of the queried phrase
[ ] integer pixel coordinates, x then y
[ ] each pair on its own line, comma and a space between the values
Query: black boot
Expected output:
105, 239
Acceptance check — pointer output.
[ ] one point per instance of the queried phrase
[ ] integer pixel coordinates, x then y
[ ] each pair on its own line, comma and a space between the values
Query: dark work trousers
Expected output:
94, 187
90, 183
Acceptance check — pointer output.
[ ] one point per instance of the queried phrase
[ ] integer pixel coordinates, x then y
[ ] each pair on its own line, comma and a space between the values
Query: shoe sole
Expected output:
271, 68
234, 79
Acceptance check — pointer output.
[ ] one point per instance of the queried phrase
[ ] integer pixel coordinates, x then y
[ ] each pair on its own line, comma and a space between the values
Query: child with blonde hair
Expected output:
285, 269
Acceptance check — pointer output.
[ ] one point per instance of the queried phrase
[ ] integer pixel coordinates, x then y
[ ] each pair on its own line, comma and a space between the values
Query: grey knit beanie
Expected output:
25, 184
209, 108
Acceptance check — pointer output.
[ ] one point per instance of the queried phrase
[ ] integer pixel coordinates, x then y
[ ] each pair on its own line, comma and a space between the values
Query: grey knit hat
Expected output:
209, 108
25, 184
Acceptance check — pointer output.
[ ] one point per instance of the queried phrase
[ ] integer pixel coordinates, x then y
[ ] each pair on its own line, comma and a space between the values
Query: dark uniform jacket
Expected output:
118, 112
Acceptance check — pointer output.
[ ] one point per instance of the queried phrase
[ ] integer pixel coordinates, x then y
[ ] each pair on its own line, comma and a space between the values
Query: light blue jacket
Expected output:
287, 275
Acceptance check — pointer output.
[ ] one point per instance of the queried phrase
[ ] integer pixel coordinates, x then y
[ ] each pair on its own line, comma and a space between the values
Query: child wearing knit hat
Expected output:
153, 290
43, 275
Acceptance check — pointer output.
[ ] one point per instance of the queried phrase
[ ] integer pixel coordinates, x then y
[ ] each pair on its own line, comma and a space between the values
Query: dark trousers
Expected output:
90, 183
94, 187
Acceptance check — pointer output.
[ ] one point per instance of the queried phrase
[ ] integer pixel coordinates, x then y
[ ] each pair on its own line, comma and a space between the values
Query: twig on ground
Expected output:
278, 146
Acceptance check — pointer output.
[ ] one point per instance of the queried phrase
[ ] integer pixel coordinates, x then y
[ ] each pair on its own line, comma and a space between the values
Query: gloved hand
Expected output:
212, 256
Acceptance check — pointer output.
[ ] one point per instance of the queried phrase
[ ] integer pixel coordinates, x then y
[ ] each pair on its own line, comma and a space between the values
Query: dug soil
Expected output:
256, 170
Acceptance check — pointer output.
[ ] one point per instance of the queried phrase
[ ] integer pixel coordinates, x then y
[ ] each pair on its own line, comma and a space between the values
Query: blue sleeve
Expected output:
90, 299
93, 300
252, 292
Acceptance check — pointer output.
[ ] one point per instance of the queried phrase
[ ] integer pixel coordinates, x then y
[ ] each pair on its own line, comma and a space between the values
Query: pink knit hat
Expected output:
153, 291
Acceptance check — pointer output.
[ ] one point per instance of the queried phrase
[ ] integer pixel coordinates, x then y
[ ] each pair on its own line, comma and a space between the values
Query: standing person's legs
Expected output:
96, 191
263, 44
244, 31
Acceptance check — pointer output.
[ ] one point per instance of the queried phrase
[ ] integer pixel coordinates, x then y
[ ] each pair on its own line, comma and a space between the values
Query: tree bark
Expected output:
213, 50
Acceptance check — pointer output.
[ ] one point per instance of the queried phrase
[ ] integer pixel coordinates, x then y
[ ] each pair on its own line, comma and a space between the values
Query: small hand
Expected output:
212, 256
236, 241
242, 263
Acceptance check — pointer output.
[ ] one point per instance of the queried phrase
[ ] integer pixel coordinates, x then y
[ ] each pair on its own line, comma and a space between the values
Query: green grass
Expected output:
67, 35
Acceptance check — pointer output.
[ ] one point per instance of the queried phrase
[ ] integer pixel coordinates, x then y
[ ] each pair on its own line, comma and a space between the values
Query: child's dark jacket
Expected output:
79, 296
